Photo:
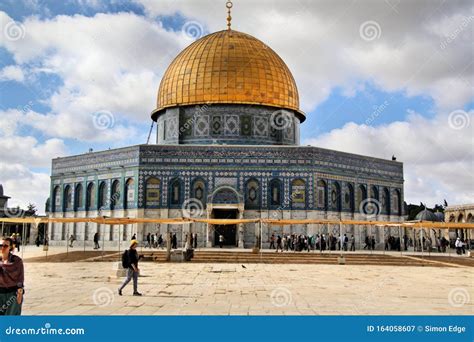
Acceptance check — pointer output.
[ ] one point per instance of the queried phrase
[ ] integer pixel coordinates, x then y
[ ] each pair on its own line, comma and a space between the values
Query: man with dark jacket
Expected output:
132, 268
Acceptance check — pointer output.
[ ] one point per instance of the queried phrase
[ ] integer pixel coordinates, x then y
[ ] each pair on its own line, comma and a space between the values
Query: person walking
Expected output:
195, 240
373, 243
279, 246
12, 276
272, 241
353, 243
148, 240
160, 241
458, 245
221, 240
71, 240
96, 240
344, 242
174, 241
130, 262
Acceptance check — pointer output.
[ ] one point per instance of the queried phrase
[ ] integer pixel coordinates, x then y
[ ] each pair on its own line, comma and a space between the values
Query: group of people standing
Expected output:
321, 242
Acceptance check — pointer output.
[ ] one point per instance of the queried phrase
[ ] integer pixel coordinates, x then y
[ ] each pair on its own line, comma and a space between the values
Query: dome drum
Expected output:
227, 124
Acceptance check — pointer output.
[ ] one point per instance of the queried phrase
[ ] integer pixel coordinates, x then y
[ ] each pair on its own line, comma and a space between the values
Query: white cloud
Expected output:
109, 62
26, 150
24, 186
321, 43
12, 73
438, 158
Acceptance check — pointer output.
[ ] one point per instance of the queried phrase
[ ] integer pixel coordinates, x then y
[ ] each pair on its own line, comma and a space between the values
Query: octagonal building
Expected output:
227, 146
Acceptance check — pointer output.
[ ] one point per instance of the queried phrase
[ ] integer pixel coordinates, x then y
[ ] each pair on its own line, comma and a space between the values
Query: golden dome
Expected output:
228, 67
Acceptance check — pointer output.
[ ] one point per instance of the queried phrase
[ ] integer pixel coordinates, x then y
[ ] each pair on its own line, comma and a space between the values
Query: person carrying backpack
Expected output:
130, 262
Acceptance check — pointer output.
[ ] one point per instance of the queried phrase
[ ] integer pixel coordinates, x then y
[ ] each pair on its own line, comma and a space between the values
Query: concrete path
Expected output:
259, 289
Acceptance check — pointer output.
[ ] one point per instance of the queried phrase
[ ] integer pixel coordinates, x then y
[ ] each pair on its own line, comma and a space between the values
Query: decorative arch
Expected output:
67, 198
176, 192
321, 191
115, 195
78, 197
460, 218
252, 194
102, 200
397, 203
198, 190
349, 197
361, 194
90, 196
276, 192
225, 194
386, 201
56, 199
374, 192
335, 196
129, 198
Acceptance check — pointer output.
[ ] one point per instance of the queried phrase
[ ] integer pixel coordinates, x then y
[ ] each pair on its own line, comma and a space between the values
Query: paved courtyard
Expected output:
90, 288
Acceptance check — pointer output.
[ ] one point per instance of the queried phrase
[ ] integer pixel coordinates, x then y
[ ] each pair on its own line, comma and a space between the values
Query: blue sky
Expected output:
77, 58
